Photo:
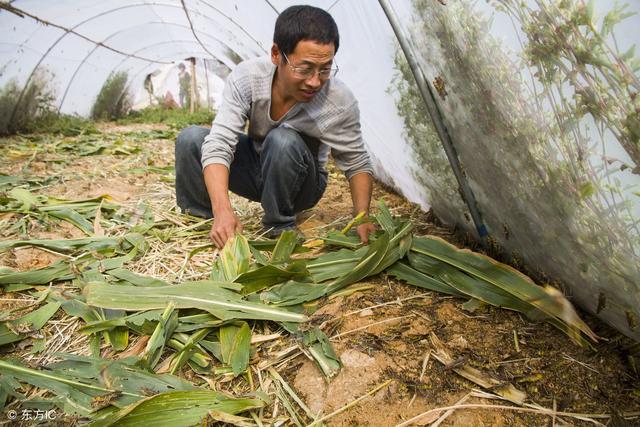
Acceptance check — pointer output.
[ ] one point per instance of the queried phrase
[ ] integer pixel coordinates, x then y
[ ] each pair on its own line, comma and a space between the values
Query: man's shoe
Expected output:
274, 233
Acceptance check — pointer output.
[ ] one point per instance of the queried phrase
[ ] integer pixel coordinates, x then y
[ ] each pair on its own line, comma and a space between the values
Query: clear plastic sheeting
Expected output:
557, 189
163, 82
562, 197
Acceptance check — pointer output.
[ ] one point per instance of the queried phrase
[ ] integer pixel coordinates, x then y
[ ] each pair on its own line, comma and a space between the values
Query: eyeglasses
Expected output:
306, 72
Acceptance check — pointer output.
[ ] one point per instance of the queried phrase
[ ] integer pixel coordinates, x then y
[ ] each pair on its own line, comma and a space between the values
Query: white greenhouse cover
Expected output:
89, 40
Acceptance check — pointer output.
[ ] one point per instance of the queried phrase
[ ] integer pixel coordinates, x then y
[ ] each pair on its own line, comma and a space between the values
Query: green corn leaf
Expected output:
77, 308
263, 245
284, 247
131, 245
503, 277
213, 347
164, 329
233, 260
25, 197
189, 349
135, 279
78, 213
469, 286
235, 346
402, 233
192, 353
322, 352
177, 409
6, 180
198, 321
399, 246
74, 218
66, 245
385, 219
117, 337
269, 275
205, 295
38, 346
293, 293
9, 386
258, 256
143, 323
199, 249
335, 264
17, 288
366, 266
123, 374
82, 385
414, 277
30, 322
269, 246
59, 270
335, 238
75, 397
88, 204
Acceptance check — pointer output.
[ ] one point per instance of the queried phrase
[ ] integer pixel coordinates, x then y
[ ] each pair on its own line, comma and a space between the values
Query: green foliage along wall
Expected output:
545, 189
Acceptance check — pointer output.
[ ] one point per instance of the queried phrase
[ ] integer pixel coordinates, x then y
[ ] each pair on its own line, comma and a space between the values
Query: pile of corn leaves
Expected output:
206, 325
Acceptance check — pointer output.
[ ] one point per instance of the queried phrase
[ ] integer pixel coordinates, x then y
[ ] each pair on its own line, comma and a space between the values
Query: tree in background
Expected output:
114, 99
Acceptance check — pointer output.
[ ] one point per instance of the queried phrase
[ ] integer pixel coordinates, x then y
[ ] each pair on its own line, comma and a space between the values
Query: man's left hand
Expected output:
364, 230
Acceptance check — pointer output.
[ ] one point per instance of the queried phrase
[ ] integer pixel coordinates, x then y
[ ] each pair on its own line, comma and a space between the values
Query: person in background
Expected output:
184, 83
298, 113
148, 86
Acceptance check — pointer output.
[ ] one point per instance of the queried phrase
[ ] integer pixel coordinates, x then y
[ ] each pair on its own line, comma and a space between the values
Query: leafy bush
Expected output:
114, 100
21, 114
175, 118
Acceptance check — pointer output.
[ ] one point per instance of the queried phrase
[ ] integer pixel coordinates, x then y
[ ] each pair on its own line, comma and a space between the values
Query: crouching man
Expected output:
298, 113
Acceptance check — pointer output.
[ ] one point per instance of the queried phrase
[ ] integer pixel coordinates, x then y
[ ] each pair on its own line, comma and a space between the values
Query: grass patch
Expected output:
62, 124
174, 118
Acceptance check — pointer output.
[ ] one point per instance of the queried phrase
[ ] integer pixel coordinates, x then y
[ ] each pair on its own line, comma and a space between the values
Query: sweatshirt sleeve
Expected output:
219, 146
347, 147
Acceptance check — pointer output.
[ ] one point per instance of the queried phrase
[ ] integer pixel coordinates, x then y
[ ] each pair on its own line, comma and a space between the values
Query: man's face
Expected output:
306, 57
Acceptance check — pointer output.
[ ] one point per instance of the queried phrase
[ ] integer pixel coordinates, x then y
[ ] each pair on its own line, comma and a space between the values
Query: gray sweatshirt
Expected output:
332, 117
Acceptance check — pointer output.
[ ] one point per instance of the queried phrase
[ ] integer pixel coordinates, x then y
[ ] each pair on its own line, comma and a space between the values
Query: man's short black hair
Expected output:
297, 23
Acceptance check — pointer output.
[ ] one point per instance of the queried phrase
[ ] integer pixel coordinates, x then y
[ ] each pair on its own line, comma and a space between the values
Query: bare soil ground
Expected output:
380, 333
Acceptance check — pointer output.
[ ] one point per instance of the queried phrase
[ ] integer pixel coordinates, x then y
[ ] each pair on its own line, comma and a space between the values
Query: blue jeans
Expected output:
285, 177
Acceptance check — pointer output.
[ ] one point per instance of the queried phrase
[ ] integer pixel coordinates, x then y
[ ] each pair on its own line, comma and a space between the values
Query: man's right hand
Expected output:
225, 226
225, 223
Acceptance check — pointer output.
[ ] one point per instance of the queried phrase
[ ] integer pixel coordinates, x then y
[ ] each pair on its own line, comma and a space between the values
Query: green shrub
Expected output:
114, 100
8, 95
35, 104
